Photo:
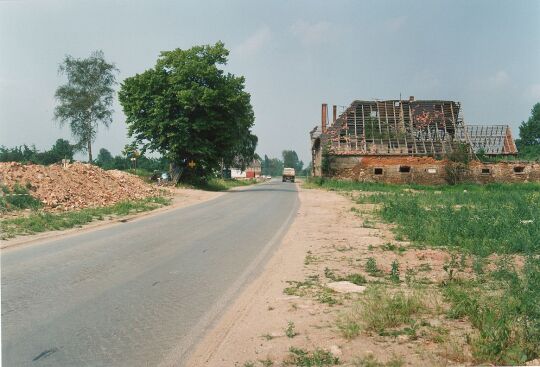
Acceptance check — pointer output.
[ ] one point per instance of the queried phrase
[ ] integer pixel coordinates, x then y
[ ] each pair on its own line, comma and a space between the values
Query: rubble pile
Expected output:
75, 186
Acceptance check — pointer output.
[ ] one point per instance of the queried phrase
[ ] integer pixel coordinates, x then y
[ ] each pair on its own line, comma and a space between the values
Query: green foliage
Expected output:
290, 332
529, 131
486, 219
317, 358
188, 109
528, 152
218, 184
290, 160
16, 199
354, 278
86, 99
61, 149
394, 272
481, 219
327, 160
106, 161
372, 268
42, 221
271, 166
379, 309
505, 308
371, 361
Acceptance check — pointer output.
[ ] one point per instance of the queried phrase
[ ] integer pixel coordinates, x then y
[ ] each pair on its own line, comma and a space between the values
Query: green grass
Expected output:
503, 305
481, 219
42, 221
290, 332
17, 198
219, 184
380, 309
371, 361
317, 358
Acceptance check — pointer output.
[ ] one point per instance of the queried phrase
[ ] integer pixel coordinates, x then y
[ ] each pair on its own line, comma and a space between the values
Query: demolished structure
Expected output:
409, 141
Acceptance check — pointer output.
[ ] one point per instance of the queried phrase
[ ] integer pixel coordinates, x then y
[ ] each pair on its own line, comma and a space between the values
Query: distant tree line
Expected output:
289, 158
107, 161
62, 149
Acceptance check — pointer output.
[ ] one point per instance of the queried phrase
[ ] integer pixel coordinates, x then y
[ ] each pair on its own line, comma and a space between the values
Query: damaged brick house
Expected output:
405, 141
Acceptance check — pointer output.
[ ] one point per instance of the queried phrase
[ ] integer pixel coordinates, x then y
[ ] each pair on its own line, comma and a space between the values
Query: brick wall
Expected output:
427, 171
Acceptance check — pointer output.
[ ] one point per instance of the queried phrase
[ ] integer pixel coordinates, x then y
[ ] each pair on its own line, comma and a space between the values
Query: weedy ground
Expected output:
37, 221
478, 263
219, 184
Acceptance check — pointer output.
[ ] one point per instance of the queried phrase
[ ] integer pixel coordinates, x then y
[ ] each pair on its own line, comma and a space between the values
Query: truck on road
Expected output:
288, 174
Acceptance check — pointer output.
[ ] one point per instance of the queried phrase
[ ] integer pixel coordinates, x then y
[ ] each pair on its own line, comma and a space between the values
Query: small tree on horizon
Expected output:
86, 99
529, 131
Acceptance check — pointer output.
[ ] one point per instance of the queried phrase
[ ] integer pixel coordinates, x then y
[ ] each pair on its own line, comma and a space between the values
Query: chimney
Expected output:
324, 112
411, 99
334, 114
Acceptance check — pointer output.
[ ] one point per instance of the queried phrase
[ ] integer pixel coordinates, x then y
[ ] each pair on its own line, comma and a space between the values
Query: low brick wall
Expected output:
428, 171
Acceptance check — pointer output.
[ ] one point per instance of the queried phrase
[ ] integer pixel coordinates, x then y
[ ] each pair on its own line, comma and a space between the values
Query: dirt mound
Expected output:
75, 186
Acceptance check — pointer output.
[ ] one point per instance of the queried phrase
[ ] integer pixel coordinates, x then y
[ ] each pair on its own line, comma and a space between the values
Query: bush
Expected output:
16, 199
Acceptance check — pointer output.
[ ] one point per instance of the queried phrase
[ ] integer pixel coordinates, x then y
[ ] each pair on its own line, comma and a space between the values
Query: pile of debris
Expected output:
75, 186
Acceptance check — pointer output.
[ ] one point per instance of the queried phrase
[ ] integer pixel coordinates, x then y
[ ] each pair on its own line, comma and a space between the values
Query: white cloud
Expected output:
312, 33
500, 79
255, 42
395, 24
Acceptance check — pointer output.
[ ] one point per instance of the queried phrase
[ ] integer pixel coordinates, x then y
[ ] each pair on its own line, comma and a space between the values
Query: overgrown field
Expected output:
496, 218
40, 221
492, 233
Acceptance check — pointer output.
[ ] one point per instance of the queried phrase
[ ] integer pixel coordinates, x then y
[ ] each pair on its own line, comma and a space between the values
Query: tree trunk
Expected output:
89, 151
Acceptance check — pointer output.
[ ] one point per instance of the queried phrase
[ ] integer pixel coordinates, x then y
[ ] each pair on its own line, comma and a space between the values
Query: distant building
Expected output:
408, 141
251, 171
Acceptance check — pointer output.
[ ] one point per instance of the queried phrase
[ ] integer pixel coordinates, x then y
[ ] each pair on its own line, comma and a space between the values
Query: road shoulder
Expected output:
180, 198
289, 307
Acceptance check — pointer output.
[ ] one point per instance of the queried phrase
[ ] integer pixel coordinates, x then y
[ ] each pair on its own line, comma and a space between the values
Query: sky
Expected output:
294, 55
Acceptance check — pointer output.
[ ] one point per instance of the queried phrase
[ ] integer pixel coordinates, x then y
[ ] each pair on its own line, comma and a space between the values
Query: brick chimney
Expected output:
334, 114
324, 112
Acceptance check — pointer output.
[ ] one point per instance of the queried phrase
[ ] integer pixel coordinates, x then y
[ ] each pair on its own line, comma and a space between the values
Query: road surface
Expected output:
139, 293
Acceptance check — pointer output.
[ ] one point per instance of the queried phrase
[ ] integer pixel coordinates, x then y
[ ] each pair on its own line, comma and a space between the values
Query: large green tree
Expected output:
529, 131
86, 99
191, 111
290, 159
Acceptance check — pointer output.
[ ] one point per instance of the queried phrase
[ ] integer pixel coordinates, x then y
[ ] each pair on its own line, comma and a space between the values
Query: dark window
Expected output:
486, 171
519, 169
378, 171
404, 169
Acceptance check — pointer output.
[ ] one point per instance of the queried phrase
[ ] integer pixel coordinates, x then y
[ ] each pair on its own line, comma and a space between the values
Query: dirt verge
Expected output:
291, 309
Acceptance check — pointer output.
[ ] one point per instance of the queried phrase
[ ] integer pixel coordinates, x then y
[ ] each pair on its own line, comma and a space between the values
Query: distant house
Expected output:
254, 169
251, 171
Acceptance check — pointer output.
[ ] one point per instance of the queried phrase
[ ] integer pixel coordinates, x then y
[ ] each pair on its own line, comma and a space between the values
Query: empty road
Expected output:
139, 293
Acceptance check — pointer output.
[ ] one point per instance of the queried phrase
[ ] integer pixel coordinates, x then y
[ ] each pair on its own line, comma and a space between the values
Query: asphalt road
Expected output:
139, 293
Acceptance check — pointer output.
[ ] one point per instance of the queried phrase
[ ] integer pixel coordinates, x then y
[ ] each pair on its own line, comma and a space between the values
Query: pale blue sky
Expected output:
294, 55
